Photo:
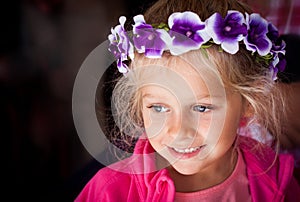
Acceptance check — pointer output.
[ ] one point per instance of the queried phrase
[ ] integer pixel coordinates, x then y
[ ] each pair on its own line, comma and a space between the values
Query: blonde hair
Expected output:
239, 72
162, 9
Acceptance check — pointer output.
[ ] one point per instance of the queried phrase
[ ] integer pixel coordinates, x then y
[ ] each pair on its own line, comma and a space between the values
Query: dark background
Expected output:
42, 46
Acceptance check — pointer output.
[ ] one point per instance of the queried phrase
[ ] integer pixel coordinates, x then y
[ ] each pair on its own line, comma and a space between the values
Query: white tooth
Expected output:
187, 150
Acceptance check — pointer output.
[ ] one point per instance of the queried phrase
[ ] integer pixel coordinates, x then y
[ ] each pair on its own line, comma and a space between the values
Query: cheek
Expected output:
146, 119
154, 123
220, 126
233, 120
230, 128
202, 127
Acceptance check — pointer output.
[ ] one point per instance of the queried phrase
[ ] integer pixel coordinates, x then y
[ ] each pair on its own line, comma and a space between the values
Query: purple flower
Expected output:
257, 39
120, 45
278, 62
273, 73
228, 31
278, 51
273, 33
188, 32
148, 40
278, 45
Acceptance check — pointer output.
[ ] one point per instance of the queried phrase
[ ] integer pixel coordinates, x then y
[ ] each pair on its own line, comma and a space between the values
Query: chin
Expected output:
185, 169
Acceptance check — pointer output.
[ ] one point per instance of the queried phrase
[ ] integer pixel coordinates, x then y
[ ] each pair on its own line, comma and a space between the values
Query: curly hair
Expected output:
239, 72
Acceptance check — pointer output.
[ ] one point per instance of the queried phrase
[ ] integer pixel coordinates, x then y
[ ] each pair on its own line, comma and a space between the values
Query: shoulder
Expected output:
108, 175
108, 184
263, 156
270, 175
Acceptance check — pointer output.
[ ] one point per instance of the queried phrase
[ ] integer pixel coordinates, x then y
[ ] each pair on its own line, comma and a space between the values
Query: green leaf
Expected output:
203, 50
161, 26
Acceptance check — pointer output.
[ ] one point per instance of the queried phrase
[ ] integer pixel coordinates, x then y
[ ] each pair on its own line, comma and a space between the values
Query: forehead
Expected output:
179, 77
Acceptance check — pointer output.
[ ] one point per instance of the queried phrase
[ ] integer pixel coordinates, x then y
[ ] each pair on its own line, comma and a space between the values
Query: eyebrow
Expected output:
149, 95
199, 97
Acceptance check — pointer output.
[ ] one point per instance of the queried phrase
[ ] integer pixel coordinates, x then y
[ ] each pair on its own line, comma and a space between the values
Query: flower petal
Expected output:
139, 19
122, 21
263, 46
151, 41
213, 24
187, 31
257, 39
153, 53
231, 47
123, 68
187, 18
273, 33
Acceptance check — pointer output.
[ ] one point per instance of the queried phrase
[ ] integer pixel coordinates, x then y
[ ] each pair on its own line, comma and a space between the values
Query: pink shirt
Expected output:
234, 188
124, 180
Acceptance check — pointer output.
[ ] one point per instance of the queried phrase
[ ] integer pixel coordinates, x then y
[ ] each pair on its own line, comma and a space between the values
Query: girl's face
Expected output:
189, 117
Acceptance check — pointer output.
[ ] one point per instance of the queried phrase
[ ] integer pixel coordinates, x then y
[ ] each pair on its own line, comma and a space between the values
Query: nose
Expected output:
184, 126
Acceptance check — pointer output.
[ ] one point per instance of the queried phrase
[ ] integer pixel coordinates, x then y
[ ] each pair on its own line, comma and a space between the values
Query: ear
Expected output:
246, 115
248, 110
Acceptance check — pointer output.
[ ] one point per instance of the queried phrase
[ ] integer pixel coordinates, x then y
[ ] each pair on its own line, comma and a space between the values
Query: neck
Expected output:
209, 177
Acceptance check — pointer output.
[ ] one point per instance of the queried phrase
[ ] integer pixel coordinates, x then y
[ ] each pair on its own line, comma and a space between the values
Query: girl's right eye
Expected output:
202, 108
159, 108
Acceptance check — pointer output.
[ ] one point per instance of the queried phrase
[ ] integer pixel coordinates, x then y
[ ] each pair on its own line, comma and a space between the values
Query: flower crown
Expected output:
185, 31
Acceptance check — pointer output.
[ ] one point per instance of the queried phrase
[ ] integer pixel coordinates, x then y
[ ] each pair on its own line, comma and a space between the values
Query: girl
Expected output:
194, 71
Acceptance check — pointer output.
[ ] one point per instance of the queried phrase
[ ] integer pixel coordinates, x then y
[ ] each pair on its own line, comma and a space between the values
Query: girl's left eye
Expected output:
159, 108
201, 108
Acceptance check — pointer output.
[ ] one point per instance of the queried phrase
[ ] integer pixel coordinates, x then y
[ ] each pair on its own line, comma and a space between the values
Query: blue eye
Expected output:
159, 108
201, 108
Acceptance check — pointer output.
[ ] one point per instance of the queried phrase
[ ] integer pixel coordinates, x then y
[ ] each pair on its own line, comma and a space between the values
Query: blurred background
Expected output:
42, 46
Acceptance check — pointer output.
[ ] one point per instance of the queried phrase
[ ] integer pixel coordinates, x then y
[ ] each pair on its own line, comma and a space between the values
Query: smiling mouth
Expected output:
188, 150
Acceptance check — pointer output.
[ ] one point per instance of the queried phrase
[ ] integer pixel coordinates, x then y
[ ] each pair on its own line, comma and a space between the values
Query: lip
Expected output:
186, 155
